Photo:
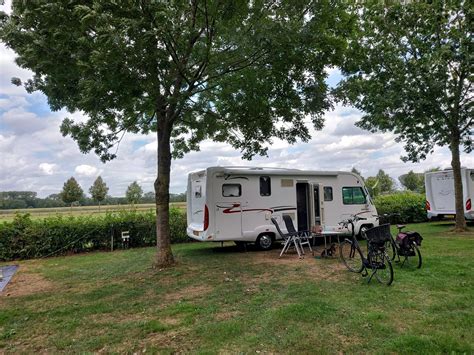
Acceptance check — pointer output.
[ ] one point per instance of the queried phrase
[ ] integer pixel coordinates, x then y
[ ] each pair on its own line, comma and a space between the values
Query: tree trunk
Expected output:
164, 256
458, 190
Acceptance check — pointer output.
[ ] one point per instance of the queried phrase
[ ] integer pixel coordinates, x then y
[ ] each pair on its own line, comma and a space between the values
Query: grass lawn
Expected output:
223, 300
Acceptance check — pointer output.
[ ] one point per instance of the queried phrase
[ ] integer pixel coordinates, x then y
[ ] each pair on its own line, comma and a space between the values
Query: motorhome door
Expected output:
317, 205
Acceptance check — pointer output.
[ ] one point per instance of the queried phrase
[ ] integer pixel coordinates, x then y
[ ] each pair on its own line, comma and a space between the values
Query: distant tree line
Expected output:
383, 184
72, 194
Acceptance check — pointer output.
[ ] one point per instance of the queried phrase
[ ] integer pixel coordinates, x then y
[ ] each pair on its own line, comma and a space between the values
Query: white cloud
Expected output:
47, 168
12, 101
86, 170
20, 121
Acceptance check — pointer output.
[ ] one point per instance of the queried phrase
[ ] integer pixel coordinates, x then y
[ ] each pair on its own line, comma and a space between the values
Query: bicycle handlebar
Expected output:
352, 219
386, 215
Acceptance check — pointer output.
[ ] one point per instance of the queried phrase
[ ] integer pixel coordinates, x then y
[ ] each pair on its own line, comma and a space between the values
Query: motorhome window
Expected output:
353, 196
197, 192
265, 186
231, 190
327, 193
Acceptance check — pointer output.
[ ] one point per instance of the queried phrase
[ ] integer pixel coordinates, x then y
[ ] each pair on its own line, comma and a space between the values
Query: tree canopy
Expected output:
381, 183
409, 69
72, 191
413, 181
134, 193
99, 190
235, 71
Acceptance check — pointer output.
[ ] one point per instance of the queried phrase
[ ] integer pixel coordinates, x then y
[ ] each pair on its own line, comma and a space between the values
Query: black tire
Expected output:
351, 256
414, 258
391, 249
381, 264
264, 242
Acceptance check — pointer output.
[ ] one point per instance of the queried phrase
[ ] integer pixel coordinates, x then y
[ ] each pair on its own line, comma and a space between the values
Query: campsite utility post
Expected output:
111, 237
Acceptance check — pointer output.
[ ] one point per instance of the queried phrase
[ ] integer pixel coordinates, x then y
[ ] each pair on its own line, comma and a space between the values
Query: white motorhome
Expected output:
236, 203
439, 186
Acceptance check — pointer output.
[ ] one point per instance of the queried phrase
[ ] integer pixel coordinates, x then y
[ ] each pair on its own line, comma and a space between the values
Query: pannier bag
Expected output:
405, 239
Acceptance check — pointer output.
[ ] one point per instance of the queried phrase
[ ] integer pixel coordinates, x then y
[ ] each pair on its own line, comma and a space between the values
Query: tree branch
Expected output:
251, 61
468, 124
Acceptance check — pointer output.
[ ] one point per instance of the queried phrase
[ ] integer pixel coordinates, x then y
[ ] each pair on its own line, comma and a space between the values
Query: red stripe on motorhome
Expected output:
230, 209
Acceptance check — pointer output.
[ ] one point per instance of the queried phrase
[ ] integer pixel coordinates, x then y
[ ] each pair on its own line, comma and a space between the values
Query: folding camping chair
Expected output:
303, 236
289, 240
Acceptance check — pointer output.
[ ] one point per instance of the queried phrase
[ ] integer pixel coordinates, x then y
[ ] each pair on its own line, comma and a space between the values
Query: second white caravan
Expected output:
236, 204
439, 187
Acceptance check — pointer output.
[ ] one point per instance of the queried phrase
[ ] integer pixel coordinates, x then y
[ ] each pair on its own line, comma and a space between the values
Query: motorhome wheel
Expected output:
264, 242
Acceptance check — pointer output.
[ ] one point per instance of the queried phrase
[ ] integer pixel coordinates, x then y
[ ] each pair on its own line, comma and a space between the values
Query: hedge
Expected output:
409, 205
26, 238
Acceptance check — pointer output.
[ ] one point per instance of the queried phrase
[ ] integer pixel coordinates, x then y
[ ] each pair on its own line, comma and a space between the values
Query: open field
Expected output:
6, 215
225, 300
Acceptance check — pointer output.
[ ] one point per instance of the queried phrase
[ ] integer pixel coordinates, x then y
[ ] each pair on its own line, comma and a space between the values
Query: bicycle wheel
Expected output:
390, 249
382, 267
413, 257
351, 256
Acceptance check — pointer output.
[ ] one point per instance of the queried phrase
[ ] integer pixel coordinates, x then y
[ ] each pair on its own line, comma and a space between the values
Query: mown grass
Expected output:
8, 215
225, 300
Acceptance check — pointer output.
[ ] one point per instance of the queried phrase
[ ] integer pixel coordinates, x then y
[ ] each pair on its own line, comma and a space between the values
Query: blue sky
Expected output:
34, 155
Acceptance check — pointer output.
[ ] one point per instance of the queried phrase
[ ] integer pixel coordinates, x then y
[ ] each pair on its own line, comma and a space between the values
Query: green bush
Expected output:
409, 205
25, 238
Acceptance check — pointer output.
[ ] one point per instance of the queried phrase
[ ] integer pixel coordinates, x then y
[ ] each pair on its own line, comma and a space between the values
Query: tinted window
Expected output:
265, 186
353, 196
327, 193
231, 190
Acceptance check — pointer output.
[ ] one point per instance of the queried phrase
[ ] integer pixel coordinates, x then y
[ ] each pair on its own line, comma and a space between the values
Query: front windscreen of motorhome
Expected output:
196, 199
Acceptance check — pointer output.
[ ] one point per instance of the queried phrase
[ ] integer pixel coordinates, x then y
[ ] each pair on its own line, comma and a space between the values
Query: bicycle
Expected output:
406, 245
377, 259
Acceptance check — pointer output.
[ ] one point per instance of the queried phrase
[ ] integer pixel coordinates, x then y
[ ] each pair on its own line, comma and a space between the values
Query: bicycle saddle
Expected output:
401, 226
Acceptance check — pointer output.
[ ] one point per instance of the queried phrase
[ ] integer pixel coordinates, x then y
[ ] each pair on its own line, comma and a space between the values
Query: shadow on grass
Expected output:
228, 249
449, 223
445, 224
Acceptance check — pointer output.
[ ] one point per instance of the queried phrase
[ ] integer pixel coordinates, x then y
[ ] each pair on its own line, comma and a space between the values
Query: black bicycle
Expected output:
406, 244
377, 259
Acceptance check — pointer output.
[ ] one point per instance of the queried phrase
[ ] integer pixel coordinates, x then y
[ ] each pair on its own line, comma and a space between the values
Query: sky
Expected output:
34, 156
